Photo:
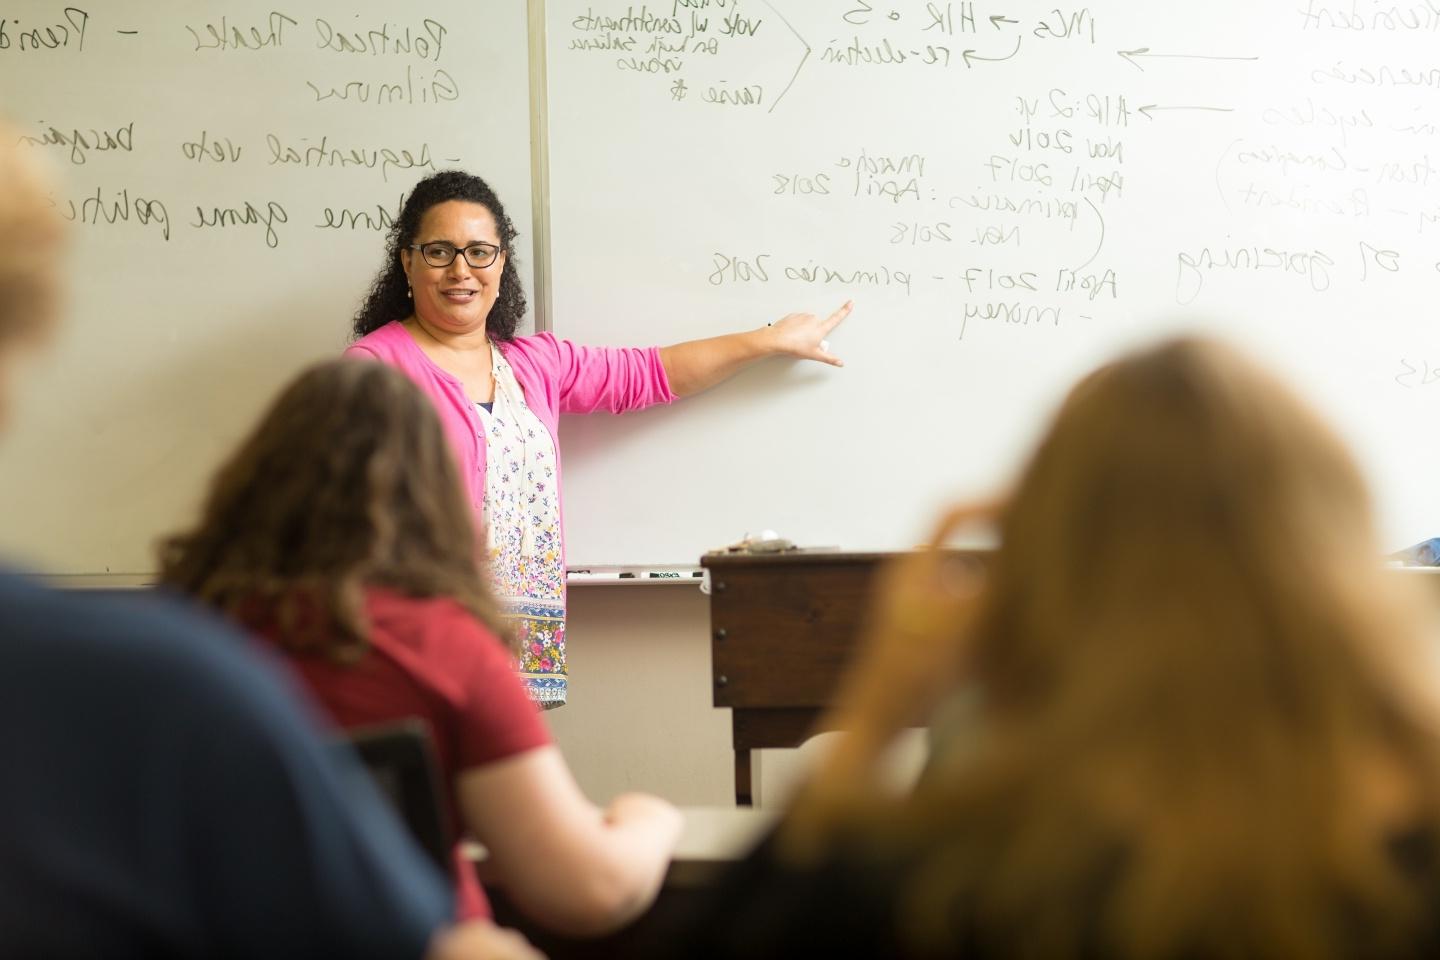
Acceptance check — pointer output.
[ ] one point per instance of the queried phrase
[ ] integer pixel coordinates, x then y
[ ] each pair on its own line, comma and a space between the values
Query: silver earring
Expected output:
408, 293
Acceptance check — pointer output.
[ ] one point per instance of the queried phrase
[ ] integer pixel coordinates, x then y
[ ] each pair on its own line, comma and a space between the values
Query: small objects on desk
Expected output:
766, 541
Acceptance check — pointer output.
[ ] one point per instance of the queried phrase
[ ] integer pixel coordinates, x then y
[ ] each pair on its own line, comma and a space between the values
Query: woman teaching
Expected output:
444, 310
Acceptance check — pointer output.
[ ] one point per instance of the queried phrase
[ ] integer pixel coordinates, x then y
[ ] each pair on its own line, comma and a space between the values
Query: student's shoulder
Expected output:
437, 624
28, 606
133, 638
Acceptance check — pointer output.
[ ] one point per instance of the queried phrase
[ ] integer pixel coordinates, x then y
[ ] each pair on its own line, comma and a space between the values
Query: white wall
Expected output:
640, 714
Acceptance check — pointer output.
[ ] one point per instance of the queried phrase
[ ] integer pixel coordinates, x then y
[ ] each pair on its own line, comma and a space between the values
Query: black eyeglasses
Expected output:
438, 254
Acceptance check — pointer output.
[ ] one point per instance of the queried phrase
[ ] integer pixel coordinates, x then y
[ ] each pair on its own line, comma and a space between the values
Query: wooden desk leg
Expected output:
743, 797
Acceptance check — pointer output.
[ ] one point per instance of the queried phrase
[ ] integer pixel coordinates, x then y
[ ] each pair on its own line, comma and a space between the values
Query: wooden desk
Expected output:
781, 630
782, 627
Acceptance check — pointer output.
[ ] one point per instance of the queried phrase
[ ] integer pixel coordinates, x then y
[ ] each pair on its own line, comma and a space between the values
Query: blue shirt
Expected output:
164, 793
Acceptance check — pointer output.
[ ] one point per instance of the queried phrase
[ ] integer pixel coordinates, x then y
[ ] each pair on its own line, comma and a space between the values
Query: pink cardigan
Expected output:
556, 377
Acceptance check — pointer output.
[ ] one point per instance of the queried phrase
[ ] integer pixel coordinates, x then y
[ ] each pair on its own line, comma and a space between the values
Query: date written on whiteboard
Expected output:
892, 177
1092, 285
761, 268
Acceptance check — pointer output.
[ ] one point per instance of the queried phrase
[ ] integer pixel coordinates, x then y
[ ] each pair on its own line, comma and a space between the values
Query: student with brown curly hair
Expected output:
339, 531
1206, 721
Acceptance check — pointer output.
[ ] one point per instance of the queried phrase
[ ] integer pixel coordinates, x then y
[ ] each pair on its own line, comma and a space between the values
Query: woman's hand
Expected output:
697, 365
563, 862
804, 335
643, 807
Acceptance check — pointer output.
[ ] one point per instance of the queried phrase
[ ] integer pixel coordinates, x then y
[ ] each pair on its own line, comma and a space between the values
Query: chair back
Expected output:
402, 762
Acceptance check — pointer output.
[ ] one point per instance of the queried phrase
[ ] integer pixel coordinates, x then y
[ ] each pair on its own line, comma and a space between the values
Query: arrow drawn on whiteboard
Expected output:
1132, 57
1150, 108
798, 67
1099, 246
999, 18
970, 55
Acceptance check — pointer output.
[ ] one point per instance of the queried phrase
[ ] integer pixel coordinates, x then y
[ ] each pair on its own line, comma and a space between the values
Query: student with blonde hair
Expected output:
1205, 723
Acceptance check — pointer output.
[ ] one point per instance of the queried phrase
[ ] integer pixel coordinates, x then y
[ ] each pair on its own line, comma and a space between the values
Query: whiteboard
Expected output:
1265, 172
1010, 193
231, 169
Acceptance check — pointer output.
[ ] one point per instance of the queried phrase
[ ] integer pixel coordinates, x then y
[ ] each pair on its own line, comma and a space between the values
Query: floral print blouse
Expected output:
522, 524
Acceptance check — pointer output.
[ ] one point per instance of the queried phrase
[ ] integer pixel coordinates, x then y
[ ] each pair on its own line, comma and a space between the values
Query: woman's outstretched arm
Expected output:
697, 365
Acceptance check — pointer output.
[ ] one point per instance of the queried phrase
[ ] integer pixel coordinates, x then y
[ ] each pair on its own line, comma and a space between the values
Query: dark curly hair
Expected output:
387, 298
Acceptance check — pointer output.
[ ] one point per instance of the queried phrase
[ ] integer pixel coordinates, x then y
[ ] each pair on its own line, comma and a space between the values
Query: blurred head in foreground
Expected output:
1201, 729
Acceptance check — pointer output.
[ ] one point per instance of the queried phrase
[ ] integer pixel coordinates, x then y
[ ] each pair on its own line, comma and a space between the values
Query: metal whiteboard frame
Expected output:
540, 167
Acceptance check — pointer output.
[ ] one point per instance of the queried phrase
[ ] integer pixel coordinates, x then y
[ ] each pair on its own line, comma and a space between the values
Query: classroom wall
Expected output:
639, 716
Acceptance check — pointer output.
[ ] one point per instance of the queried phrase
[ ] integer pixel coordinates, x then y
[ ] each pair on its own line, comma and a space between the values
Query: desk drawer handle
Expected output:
721, 680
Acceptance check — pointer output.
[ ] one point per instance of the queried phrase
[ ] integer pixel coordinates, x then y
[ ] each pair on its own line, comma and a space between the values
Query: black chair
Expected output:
402, 762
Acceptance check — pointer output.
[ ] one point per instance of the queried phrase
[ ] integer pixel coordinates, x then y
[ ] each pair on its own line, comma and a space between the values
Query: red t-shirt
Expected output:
430, 658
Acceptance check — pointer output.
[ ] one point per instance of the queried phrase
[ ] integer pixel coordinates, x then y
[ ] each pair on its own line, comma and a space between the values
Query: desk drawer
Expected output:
782, 638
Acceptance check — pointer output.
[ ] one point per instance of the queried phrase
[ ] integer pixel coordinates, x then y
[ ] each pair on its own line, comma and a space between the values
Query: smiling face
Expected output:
454, 299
